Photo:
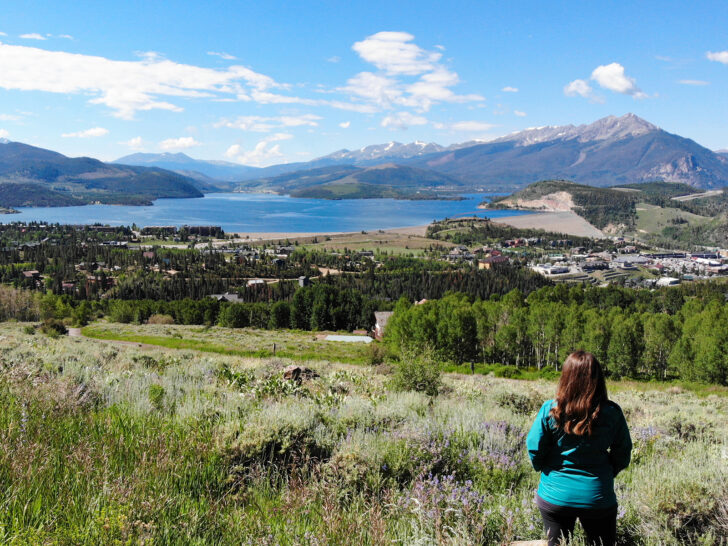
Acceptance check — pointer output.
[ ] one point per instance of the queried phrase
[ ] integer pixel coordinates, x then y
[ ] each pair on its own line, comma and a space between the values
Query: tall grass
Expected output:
103, 444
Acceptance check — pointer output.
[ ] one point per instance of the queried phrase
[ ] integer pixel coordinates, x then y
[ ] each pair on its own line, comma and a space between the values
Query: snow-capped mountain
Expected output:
384, 152
609, 128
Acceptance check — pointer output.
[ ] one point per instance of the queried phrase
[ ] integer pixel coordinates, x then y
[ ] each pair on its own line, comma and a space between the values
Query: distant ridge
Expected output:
612, 150
32, 176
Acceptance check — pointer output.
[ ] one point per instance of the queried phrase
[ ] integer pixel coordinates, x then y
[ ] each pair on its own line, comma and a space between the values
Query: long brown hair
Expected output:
580, 395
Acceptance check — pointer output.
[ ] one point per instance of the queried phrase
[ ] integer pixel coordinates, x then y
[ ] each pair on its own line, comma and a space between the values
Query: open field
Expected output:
558, 222
112, 444
396, 241
653, 219
234, 342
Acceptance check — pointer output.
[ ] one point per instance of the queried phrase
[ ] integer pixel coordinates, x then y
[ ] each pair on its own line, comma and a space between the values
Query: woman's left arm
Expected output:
620, 452
539, 438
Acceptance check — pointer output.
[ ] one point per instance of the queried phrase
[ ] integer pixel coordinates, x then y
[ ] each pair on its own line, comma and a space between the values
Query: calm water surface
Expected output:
256, 212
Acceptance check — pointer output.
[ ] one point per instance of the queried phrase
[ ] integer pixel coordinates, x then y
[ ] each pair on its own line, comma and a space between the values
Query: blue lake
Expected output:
257, 212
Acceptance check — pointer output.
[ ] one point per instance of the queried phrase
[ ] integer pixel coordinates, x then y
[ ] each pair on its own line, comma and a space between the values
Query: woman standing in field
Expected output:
579, 442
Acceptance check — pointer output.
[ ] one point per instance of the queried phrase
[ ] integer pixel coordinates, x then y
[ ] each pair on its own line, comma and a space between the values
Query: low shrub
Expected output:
160, 319
376, 354
507, 371
522, 404
418, 372
54, 328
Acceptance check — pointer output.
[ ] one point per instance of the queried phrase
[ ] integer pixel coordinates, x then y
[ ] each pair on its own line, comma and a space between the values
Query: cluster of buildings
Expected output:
670, 266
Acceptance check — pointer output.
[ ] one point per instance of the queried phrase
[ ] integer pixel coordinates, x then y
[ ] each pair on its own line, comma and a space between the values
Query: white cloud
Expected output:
393, 53
578, 87
465, 126
403, 120
9, 117
509, 89
135, 143
611, 76
4, 133
718, 56
334, 59
3, 34
440, 47
399, 59
66, 36
433, 87
693, 82
124, 86
375, 88
222, 55
265, 124
88, 133
33, 36
345, 124
180, 143
519, 113
262, 154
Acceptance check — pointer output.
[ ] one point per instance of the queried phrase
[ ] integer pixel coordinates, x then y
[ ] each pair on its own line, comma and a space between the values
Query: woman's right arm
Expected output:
539, 437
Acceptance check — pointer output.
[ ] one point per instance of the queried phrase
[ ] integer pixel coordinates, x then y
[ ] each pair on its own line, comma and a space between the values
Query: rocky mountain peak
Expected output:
608, 128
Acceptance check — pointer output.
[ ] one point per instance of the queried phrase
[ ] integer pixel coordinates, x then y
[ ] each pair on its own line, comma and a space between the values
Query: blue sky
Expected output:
272, 82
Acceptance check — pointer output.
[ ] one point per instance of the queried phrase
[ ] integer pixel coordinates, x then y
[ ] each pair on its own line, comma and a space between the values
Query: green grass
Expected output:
244, 342
653, 219
112, 444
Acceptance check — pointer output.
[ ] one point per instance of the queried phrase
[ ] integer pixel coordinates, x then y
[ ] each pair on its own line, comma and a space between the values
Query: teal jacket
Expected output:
578, 471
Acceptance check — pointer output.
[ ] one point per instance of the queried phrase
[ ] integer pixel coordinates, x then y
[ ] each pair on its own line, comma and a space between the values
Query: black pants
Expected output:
600, 524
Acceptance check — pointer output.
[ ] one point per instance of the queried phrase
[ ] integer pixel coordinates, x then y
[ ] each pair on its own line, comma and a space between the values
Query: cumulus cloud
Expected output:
264, 153
403, 120
88, 133
345, 124
394, 53
32, 36
509, 89
519, 113
135, 143
180, 143
718, 56
262, 124
399, 59
126, 87
693, 82
465, 126
578, 87
611, 76
222, 55
4, 133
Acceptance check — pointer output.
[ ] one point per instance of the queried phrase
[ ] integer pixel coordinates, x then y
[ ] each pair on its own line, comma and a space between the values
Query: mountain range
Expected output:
612, 150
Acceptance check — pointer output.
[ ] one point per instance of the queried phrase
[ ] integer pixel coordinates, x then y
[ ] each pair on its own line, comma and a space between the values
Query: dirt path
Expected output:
692, 196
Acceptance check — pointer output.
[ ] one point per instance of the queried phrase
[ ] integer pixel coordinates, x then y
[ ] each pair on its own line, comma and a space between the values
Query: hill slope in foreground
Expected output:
150, 445
32, 176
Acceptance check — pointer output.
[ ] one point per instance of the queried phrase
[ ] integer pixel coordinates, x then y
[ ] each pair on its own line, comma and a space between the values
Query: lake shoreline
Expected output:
260, 216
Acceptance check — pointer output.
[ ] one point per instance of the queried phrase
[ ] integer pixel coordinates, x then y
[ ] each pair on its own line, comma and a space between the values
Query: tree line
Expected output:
635, 334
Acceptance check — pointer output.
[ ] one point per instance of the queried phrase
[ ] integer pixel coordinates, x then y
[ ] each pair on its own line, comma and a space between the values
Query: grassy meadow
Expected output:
109, 443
